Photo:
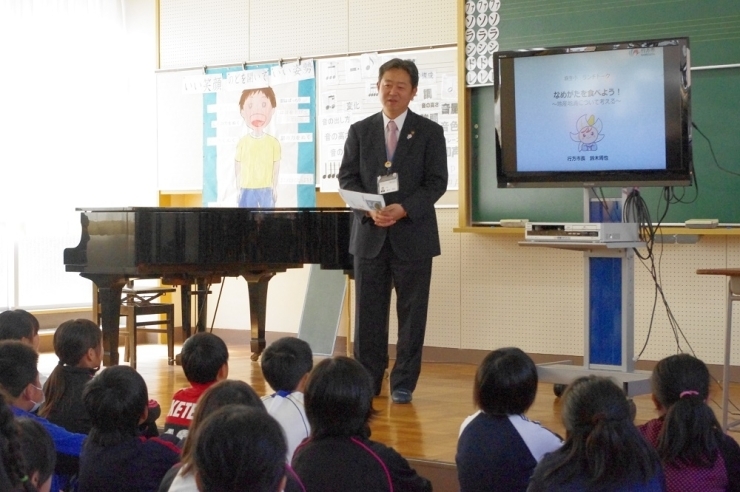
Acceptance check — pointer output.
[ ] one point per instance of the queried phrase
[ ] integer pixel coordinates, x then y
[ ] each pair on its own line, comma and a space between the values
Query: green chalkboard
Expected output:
714, 32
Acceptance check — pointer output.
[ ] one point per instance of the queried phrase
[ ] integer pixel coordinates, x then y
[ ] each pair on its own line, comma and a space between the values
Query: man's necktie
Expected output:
392, 138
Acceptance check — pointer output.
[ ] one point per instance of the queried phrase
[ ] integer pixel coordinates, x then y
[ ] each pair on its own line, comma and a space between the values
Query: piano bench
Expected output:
137, 302
134, 325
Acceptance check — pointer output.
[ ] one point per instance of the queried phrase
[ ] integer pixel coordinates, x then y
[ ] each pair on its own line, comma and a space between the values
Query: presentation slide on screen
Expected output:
590, 111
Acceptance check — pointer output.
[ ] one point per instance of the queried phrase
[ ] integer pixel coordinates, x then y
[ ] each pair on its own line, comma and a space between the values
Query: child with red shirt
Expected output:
205, 360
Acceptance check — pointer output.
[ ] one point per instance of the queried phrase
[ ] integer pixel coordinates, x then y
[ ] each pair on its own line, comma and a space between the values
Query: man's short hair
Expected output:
115, 399
18, 366
406, 65
16, 324
202, 356
285, 362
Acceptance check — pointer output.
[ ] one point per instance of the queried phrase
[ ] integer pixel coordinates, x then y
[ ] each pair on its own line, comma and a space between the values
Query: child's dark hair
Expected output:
37, 448
72, 340
285, 362
506, 382
18, 366
267, 91
339, 398
203, 355
17, 324
602, 443
116, 400
33, 319
691, 433
233, 436
13, 475
226, 392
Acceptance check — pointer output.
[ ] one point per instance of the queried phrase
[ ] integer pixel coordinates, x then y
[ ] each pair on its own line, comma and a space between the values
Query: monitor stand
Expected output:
609, 311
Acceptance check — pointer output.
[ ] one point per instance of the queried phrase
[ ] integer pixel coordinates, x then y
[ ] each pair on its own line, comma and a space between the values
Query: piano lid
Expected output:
147, 240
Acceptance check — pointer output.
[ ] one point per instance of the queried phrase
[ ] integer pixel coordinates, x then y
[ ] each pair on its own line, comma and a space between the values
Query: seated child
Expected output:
19, 382
11, 469
695, 453
27, 453
78, 343
238, 448
339, 454
37, 450
23, 326
498, 446
180, 478
115, 456
285, 365
19, 324
205, 360
603, 449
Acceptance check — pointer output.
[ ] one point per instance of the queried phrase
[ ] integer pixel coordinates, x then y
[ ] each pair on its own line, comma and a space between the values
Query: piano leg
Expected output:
257, 286
201, 304
109, 298
185, 294
201, 310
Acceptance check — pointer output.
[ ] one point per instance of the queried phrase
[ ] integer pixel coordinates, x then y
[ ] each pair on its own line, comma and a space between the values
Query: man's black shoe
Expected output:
401, 396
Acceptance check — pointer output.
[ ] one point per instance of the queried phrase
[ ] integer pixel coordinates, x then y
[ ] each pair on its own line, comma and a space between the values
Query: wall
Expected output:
195, 33
487, 291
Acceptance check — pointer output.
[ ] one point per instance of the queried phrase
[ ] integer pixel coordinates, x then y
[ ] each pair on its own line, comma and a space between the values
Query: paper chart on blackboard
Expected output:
347, 92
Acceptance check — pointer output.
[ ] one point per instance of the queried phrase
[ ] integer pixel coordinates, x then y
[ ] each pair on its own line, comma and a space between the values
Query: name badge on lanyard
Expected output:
387, 183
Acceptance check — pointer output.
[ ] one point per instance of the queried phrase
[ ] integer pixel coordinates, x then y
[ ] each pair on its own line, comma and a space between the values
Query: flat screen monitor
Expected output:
608, 114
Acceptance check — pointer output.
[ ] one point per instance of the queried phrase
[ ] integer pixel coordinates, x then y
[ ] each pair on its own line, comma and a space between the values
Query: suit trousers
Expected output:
374, 280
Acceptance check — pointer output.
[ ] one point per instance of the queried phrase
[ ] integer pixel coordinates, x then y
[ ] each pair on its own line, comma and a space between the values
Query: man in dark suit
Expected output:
402, 156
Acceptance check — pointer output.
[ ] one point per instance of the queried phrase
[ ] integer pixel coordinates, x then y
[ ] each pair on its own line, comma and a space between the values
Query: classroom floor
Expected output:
427, 429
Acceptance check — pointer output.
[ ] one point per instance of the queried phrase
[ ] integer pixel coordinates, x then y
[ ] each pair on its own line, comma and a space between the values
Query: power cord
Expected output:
636, 210
711, 150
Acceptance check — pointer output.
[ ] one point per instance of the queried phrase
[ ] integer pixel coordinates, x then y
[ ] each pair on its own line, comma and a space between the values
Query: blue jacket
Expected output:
65, 442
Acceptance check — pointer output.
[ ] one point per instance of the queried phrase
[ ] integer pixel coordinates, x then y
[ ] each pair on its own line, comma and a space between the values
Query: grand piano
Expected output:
200, 246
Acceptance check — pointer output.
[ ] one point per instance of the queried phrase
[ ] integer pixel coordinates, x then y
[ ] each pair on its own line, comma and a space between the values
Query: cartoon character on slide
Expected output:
257, 160
589, 132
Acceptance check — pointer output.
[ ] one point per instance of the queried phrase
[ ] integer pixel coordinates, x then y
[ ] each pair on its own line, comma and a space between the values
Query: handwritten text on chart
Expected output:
296, 137
249, 79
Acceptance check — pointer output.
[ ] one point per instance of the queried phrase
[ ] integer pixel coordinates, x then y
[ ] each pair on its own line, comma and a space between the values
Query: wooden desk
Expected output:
733, 294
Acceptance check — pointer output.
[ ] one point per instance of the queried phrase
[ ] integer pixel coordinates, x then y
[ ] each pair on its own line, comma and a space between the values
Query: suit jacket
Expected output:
420, 160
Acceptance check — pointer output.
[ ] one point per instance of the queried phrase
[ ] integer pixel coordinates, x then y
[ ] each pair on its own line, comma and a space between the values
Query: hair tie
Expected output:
688, 393
24, 479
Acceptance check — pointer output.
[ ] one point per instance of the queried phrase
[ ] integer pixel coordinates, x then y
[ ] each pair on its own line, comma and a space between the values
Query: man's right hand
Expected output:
387, 216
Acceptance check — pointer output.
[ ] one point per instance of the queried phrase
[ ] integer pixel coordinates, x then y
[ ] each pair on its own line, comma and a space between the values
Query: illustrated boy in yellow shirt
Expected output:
257, 160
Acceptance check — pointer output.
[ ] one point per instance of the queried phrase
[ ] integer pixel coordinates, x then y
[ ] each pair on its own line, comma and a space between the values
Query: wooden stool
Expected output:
139, 302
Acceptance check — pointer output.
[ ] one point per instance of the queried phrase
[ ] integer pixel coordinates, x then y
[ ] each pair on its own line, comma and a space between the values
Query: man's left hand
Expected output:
389, 215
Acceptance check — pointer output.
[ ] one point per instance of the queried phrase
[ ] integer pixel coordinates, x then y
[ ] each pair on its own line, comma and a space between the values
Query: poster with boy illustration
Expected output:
258, 136
257, 159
